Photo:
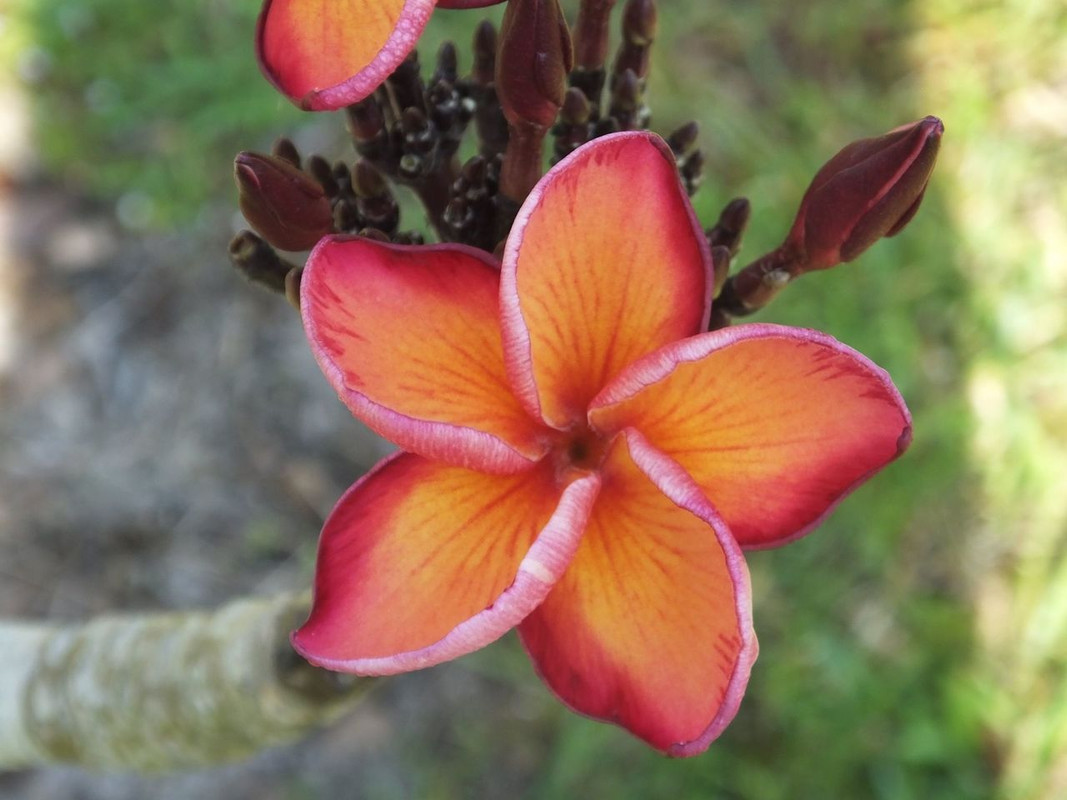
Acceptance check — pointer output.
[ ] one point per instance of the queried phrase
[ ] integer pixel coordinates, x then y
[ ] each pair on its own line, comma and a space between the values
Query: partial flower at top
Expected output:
326, 54
579, 459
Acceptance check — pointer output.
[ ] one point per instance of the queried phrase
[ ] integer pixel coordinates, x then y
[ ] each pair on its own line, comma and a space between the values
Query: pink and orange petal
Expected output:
605, 262
420, 562
775, 424
650, 626
324, 54
409, 338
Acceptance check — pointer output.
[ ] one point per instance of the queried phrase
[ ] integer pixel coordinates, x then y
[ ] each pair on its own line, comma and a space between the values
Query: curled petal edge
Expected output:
413, 18
676, 484
449, 4
538, 572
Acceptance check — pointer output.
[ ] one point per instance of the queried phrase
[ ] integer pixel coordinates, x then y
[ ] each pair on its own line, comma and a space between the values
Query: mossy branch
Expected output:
163, 691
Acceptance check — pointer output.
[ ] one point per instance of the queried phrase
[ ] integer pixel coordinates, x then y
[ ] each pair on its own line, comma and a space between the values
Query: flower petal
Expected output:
605, 262
409, 338
325, 54
420, 563
775, 424
650, 627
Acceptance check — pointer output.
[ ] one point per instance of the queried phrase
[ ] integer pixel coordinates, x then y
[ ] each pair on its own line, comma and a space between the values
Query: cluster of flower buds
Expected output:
292, 206
530, 79
584, 114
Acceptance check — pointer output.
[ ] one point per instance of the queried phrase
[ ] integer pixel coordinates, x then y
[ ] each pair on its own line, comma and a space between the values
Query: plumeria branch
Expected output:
162, 691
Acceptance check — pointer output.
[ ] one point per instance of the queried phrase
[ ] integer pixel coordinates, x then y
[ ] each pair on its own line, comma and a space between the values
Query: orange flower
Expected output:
325, 54
580, 460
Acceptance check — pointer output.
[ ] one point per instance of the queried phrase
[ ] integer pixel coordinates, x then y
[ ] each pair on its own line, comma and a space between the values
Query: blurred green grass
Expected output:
914, 646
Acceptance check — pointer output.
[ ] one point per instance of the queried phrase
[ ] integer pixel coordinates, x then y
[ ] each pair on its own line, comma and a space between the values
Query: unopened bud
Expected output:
367, 181
292, 286
346, 215
534, 59
871, 189
447, 67
374, 234
287, 207
730, 227
286, 150
319, 169
692, 170
638, 31
364, 120
576, 109
683, 139
720, 260
639, 22
484, 47
257, 261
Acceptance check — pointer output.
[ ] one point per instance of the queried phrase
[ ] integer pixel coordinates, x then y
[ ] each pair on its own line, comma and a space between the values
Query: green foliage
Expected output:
146, 101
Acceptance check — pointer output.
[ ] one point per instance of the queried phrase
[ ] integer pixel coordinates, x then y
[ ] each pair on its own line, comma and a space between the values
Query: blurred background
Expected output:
166, 440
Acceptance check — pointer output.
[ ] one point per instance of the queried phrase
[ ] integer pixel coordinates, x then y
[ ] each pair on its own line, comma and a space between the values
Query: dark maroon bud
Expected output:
730, 227
365, 120
484, 47
639, 22
871, 189
257, 261
319, 169
683, 139
367, 181
534, 58
287, 207
346, 215
720, 259
576, 109
286, 150
638, 31
374, 234
447, 68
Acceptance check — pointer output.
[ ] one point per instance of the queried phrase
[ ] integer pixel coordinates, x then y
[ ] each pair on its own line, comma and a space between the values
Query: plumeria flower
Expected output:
326, 54
578, 459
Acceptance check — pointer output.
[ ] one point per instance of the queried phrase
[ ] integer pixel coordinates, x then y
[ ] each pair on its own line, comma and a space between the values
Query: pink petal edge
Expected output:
455, 4
680, 489
439, 441
657, 365
409, 27
538, 572
676, 484
517, 347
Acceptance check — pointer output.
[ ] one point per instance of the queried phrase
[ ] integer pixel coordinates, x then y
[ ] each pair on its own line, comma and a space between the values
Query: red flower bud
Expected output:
871, 189
534, 59
286, 206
